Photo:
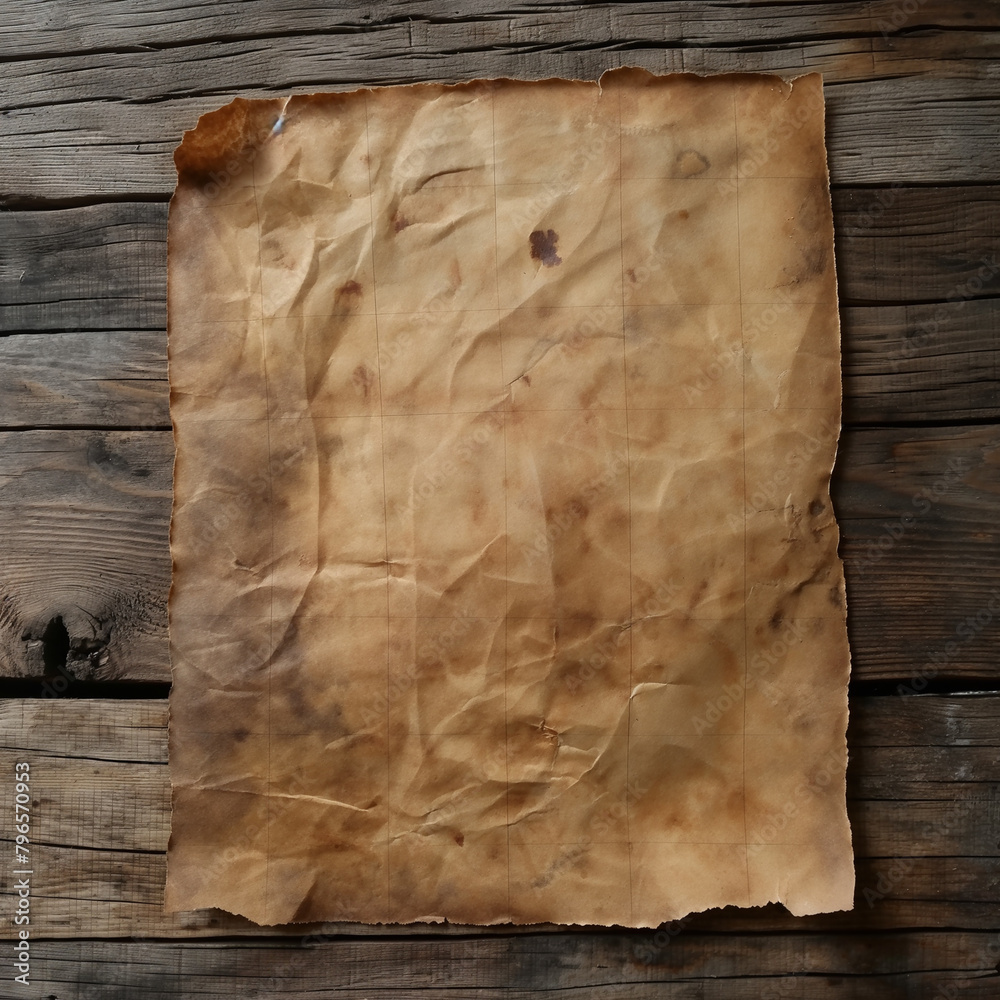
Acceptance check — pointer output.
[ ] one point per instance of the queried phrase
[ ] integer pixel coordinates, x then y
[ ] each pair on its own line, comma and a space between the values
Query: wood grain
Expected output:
101, 267
908, 244
93, 26
101, 815
101, 378
918, 537
90, 25
84, 523
606, 965
921, 362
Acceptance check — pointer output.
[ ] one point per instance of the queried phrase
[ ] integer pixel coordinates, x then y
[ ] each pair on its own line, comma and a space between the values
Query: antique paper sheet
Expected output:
506, 583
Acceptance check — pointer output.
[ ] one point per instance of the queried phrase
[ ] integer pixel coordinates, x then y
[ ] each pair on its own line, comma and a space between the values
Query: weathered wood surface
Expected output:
85, 517
103, 267
97, 378
925, 362
923, 796
602, 966
84, 524
96, 26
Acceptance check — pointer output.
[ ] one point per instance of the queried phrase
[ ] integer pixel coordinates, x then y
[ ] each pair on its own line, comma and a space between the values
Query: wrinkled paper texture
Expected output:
506, 583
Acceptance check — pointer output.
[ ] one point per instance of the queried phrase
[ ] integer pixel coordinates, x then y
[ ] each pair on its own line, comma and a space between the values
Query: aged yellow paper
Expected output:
506, 583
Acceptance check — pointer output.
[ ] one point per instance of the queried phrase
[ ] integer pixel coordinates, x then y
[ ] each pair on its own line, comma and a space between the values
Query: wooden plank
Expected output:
95, 26
917, 508
604, 965
85, 566
67, 138
909, 363
912, 363
917, 512
927, 856
900, 244
103, 267
99, 378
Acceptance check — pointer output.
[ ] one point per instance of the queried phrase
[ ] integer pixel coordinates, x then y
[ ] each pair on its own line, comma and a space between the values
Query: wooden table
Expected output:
96, 94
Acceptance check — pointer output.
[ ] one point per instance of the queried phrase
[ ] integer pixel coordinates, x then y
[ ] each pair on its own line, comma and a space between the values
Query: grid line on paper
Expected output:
743, 388
506, 534
628, 489
385, 528
270, 507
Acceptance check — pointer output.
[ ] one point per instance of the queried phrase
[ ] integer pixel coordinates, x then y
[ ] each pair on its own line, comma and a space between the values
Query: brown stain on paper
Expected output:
226, 141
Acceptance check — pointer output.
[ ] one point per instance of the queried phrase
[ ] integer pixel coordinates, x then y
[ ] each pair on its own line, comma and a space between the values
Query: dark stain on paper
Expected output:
349, 290
543, 247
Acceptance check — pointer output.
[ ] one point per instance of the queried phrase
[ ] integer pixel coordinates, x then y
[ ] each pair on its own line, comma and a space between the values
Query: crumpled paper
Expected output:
506, 583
